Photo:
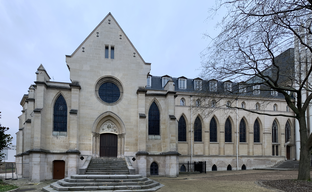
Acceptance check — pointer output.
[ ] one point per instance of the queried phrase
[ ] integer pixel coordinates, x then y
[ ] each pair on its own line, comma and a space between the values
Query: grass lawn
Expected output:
6, 187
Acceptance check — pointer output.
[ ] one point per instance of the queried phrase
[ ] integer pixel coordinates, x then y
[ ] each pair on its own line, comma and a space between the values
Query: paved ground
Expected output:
233, 181
229, 181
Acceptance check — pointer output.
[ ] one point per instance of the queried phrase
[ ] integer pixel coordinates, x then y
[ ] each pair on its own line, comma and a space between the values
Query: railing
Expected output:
8, 168
199, 166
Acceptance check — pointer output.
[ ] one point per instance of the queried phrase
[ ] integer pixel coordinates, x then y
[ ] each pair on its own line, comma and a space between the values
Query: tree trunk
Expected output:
304, 163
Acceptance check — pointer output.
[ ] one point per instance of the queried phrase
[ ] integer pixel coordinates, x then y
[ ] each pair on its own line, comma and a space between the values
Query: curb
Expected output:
13, 190
259, 183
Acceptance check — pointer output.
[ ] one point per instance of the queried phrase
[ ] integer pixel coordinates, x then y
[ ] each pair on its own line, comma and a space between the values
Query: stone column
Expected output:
142, 162
72, 163
142, 129
73, 131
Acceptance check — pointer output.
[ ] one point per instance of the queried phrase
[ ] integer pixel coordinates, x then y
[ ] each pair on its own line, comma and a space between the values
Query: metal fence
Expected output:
196, 166
9, 170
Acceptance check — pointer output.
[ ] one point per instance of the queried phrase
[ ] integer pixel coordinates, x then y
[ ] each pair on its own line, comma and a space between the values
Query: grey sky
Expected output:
167, 33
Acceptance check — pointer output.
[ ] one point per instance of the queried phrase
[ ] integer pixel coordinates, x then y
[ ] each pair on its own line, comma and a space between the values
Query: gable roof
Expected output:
109, 14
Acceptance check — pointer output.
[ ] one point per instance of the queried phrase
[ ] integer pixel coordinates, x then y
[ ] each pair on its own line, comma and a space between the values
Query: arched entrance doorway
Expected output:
108, 136
108, 145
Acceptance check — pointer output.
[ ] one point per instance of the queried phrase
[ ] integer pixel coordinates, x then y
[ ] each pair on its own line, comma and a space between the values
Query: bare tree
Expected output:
254, 33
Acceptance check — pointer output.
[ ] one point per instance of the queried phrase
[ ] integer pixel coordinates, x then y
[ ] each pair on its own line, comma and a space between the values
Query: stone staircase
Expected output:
105, 175
287, 164
107, 166
125, 183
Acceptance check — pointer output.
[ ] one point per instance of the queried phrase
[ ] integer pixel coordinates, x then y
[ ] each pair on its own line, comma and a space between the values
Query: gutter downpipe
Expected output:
236, 134
191, 157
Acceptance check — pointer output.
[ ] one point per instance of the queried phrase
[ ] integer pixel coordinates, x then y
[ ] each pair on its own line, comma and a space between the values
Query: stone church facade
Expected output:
113, 107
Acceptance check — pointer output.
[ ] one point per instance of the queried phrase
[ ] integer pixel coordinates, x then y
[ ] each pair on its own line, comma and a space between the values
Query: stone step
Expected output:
107, 173
107, 167
106, 177
98, 183
107, 170
106, 180
115, 184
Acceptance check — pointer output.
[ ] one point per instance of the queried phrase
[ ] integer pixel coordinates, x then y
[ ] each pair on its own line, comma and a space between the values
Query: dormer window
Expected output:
227, 86
274, 93
198, 84
256, 89
242, 88
213, 86
165, 80
149, 81
182, 83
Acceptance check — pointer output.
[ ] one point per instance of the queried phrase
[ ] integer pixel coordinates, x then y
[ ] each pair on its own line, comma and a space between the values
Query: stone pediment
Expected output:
108, 127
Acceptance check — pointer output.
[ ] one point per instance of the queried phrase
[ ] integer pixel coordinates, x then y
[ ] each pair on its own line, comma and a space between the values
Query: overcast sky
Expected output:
167, 33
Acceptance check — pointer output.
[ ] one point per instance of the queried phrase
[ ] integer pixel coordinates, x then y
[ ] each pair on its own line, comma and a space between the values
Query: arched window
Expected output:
183, 168
287, 132
182, 102
182, 129
243, 105
244, 167
242, 131
153, 120
274, 132
256, 131
214, 168
228, 104
274, 107
197, 103
154, 169
213, 103
228, 130
197, 130
60, 115
257, 106
229, 168
213, 130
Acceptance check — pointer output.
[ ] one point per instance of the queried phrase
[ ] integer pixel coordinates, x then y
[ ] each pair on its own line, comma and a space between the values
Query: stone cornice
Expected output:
70, 151
141, 90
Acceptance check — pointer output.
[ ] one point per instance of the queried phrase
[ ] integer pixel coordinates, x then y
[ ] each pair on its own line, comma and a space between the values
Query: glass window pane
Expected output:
60, 115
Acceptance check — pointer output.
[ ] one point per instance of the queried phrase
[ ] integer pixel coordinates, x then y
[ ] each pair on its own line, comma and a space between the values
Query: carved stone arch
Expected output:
278, 138
214, 134
198, 134
201, 120
246, 133
182, 134
56, 96
108, 116
186, 120
260, 129
55, 131
108, 123
232, 129
246, 122
158, 105
217, 120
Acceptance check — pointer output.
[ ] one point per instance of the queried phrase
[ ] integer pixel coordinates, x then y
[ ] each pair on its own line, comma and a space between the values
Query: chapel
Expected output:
114, 108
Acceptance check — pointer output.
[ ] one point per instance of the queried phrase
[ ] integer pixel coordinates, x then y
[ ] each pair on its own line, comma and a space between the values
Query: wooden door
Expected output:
58, 169
288, 152
108, 145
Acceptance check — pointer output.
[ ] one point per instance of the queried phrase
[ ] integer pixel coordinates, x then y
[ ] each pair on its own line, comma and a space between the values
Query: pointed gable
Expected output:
103, 33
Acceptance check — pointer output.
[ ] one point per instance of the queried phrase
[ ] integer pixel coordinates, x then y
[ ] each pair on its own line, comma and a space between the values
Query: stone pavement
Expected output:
233, 181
